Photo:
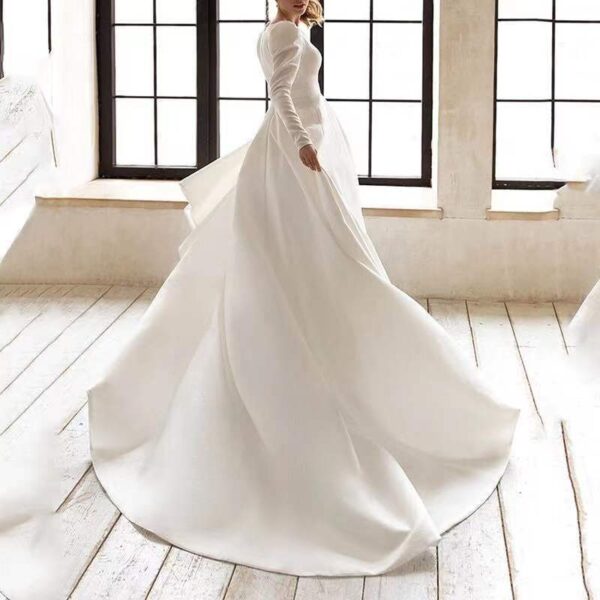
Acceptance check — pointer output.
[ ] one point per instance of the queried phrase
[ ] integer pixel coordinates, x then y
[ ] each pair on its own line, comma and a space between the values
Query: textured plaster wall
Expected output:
95, 245
474, 258
449, 258
74, 93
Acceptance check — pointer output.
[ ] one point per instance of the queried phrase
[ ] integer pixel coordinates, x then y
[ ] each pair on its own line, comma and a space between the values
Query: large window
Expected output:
180, 83
243, 97
154, 57
378, 73
547, 91
25, 37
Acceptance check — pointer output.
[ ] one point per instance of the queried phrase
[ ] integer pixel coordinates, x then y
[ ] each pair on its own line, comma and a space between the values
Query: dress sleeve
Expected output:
285, 45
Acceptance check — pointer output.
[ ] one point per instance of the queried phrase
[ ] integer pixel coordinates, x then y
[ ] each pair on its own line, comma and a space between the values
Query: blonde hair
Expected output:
313, 13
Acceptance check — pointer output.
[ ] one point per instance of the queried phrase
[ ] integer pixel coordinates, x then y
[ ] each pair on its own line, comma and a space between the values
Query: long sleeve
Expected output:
285, 45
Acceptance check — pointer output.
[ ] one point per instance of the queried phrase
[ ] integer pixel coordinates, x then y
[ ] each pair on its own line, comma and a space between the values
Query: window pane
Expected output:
176, 11
577, 65
176, 132
348, 9
25, 37
397, 9
176, 61
272, 8
577, 137
524, 60
578, 9
354, 118
239, 122
397, 61
346, 64
134, 49
525, 9
134, 11
396, 139
523, 141
241, 9
240, 72
135, 131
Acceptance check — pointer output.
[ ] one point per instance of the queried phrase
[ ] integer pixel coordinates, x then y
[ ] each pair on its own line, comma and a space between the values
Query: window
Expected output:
547, 115
381, 85
155, 88
243, 98
25, 37
180, 83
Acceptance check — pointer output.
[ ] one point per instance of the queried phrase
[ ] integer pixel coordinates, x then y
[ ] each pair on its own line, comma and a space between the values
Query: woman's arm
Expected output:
285, 45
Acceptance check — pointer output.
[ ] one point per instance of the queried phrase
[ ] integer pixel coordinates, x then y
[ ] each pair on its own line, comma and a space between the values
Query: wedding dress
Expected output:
282, 404
584, 336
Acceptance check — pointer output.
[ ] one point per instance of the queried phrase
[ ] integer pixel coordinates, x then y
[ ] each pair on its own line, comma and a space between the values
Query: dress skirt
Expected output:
281, 403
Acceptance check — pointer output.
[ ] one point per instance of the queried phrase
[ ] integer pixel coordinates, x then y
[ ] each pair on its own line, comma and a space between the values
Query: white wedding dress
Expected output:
282, 404
584, 336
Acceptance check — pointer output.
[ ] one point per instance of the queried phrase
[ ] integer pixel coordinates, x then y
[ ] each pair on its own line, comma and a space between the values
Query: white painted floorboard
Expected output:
536, 538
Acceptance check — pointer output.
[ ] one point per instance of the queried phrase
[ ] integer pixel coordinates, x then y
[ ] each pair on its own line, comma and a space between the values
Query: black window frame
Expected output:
208, 98
532, 184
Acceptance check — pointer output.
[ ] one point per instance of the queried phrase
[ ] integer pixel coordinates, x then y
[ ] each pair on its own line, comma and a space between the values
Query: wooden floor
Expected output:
536, 538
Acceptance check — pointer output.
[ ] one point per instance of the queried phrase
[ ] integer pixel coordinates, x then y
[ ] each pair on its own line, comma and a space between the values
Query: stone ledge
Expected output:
522, 215
117, 193
406, 212
155, 194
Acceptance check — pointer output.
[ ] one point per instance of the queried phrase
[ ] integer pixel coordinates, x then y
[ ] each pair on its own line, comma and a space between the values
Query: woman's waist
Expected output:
307, 99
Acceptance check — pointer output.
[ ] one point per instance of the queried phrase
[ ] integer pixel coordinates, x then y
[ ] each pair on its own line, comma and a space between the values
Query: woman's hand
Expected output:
308, 156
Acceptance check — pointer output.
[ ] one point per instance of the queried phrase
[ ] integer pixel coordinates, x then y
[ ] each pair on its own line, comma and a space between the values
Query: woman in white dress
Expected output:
282, 404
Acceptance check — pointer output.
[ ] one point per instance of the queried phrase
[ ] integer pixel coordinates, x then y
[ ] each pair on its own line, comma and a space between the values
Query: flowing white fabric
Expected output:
282, 404
584, 336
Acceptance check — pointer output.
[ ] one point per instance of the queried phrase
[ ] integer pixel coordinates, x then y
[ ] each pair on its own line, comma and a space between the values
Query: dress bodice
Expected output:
290, 63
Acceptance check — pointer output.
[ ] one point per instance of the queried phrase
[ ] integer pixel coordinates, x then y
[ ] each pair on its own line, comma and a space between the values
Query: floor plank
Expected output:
415, 580
17, 313
186, 576
125, 566
544, 328
57, 357
252, 584
61, 400
86, 518
472, 557
565, 311
330, 588
60, 314
535, 492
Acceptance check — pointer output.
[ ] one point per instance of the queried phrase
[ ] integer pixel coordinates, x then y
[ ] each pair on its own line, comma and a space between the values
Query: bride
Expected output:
282, 404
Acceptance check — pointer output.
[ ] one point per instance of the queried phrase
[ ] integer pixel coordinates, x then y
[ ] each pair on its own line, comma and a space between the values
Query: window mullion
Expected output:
155, 82
553, 85
370, 138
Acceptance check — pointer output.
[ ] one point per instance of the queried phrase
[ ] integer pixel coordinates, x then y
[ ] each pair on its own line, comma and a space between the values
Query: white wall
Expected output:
25, 38
67, 76
74, 91
94, 245
447, 258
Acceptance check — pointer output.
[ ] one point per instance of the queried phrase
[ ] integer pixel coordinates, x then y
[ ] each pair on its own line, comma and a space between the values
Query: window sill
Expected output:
155, 194
523, 205
117, 193
398, 201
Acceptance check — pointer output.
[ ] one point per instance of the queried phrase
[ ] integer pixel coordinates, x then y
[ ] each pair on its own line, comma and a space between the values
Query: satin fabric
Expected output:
583, 334
282, 404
